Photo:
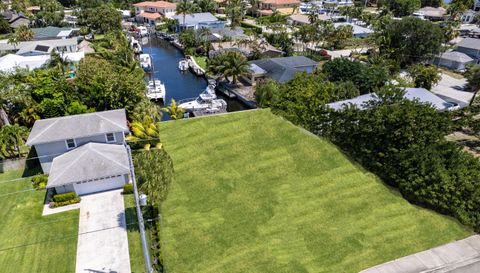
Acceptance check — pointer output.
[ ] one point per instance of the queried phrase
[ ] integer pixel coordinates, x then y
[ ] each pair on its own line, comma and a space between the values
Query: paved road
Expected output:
102, 240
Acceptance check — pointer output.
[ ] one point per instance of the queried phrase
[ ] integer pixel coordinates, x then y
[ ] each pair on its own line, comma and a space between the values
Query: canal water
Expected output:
179, 85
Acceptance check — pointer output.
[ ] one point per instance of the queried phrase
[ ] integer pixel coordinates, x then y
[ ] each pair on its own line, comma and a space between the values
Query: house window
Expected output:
110, 137
71, 143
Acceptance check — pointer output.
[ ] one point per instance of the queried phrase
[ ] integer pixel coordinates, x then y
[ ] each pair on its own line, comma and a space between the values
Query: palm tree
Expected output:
254, 6
185, 7
173, 110
145, 133
235, 65
235, 11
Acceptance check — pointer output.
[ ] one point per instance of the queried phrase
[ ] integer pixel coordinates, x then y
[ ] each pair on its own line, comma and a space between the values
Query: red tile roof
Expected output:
157, 4
150, 15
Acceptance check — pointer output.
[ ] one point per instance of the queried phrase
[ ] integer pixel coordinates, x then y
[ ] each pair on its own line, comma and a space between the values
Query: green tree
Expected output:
185, 7
410, 40
51, 14
22, 33
4, 26
432, 3
155, 173
173, 110
401, 8
266, 93
230, 64
12, 141
103, 19
235, 11
424, 76
207, 5
473, 77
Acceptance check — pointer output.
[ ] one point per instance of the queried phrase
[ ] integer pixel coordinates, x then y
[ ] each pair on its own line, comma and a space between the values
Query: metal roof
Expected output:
76, 126
470, 43
456, 57
88, 162
196, 18
420, 94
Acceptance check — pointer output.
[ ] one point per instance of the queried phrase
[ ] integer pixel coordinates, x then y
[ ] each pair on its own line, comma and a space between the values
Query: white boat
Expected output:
146, 62
137, 48
207, 103
183, 65
156, 90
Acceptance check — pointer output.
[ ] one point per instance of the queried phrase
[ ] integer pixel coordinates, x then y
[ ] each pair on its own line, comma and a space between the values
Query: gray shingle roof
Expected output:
55, 129
88, 162
47, 32
195, 18
421, 94
284, 69
470, 43
456, 56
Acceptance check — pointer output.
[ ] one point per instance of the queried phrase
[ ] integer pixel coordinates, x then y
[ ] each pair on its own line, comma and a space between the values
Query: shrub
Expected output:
63, 197
39, 182
64, 203
128, 188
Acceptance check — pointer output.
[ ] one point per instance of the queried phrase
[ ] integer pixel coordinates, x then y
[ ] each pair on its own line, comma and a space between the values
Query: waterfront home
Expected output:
220, 34
454, 60
48, 33
357, 31
302, 19
198, 21
83, 153
10, 62
286, 7
268, 51
14, 19
420, 94
431, 13
42, 47
279, 69
471, 47
148, 12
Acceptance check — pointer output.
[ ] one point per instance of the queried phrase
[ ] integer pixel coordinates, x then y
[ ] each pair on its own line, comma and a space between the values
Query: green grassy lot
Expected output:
201, 61
254, 193
134, 243
30, 242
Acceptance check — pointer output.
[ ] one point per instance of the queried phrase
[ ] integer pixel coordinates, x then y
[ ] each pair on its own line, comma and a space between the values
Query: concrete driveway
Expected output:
102, 240
452, 89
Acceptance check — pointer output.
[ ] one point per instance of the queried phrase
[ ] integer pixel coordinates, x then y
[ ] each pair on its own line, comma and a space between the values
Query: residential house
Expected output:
10, 62
34, 9
83, 153
42, 47
226, 33
267, 50
14, 19
338, 3
468, 16
476, 5
431, 13
198, 21
357, 31
48, 33
279, 69
150, 11
471, 47
420, 94
454, 60
302, 19
268, 7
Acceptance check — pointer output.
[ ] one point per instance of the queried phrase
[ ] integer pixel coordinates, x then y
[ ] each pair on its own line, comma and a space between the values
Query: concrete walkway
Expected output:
102, 240
457, 257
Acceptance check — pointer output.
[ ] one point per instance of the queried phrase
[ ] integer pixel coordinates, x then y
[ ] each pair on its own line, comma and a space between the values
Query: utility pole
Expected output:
141, 224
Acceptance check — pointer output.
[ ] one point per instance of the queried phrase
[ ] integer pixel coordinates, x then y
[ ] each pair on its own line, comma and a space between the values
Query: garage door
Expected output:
99, 185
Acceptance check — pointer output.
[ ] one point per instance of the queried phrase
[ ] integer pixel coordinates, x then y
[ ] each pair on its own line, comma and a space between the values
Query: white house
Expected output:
42, 47
83, 153
154, 10
468, 16
10, 62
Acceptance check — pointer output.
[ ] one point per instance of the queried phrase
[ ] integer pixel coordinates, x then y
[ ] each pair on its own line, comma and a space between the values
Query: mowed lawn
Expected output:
30, 242
254, 193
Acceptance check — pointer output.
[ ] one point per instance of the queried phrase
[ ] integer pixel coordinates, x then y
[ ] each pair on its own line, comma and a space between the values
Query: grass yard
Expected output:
30, 242
134, 243
201, 61
254, 193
